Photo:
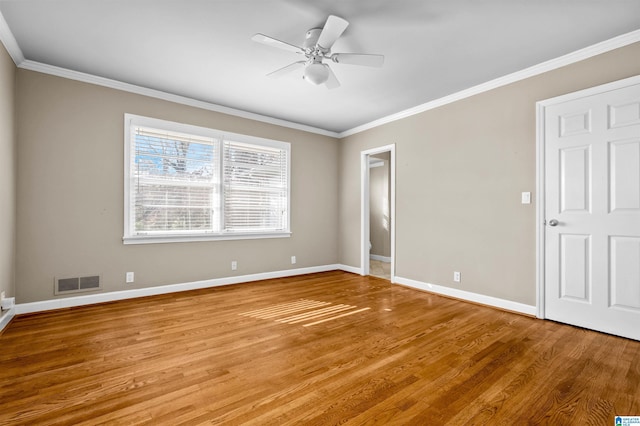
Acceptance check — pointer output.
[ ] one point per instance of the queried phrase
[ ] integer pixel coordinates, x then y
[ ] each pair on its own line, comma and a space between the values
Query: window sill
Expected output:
150, 239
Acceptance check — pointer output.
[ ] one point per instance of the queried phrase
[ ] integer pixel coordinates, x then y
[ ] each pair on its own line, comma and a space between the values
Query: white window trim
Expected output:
129, 238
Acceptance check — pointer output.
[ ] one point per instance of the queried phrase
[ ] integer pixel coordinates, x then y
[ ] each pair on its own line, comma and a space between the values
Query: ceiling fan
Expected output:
316, 48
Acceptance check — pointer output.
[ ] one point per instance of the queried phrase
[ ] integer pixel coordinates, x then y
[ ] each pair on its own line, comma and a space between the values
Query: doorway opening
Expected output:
378, 212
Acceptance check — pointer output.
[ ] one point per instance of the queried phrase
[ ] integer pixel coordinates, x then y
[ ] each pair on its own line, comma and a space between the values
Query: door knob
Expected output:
553, 222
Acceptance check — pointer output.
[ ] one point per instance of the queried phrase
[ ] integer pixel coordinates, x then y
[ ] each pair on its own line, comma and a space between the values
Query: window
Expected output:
188, 183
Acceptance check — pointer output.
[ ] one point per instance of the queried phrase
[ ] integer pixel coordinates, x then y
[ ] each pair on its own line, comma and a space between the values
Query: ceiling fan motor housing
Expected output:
311, 38
315, 71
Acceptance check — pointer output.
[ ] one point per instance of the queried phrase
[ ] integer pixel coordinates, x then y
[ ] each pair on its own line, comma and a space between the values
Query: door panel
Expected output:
626, 114
592, 193
575, 268
625, 273
625, 175
576, 123
575, 175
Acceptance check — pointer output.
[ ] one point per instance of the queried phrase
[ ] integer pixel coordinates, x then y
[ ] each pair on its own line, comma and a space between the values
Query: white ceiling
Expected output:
202, 49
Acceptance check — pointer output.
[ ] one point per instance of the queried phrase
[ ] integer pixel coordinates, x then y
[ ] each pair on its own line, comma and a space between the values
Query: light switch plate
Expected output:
526, 198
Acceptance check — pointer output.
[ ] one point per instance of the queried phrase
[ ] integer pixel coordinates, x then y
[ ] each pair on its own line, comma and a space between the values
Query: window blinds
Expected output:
255, 187
185, 184
176, 181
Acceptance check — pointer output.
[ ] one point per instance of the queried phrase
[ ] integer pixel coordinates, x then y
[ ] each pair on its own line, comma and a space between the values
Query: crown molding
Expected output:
9, 42
562, 61
153, 93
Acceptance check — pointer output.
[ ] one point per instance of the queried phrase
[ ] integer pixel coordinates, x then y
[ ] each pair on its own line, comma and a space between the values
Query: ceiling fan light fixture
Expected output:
315, 49
316, 73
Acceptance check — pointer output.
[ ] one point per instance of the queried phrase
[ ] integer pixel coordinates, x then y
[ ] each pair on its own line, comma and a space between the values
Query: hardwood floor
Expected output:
304, 350
380, 269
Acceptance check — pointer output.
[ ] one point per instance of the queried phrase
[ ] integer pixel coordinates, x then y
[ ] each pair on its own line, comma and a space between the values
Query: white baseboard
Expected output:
352, 269
385, 259
469, 296
90, 299
6, 317
68, 302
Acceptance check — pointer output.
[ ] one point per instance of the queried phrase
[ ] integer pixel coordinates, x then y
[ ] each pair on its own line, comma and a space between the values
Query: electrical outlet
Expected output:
130, 277
293, 260
234, 265
2, 295
456, 276
7, 303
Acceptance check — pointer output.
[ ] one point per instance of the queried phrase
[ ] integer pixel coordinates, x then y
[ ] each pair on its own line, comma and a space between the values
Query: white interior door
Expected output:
592, 211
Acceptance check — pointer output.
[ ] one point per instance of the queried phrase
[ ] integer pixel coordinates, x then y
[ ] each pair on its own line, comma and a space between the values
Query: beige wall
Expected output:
460, 171
379, 207
7, 173
70, 181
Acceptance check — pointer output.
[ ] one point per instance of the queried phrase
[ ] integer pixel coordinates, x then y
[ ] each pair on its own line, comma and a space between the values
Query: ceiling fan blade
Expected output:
270, 41
358, 59
332, 82
333, 29
286, 70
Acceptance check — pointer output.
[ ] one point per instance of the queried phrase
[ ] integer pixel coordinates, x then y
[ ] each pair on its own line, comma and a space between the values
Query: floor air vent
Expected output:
77, 284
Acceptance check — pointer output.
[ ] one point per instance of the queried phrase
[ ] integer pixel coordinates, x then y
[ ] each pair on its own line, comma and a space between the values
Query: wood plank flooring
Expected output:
234, 355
